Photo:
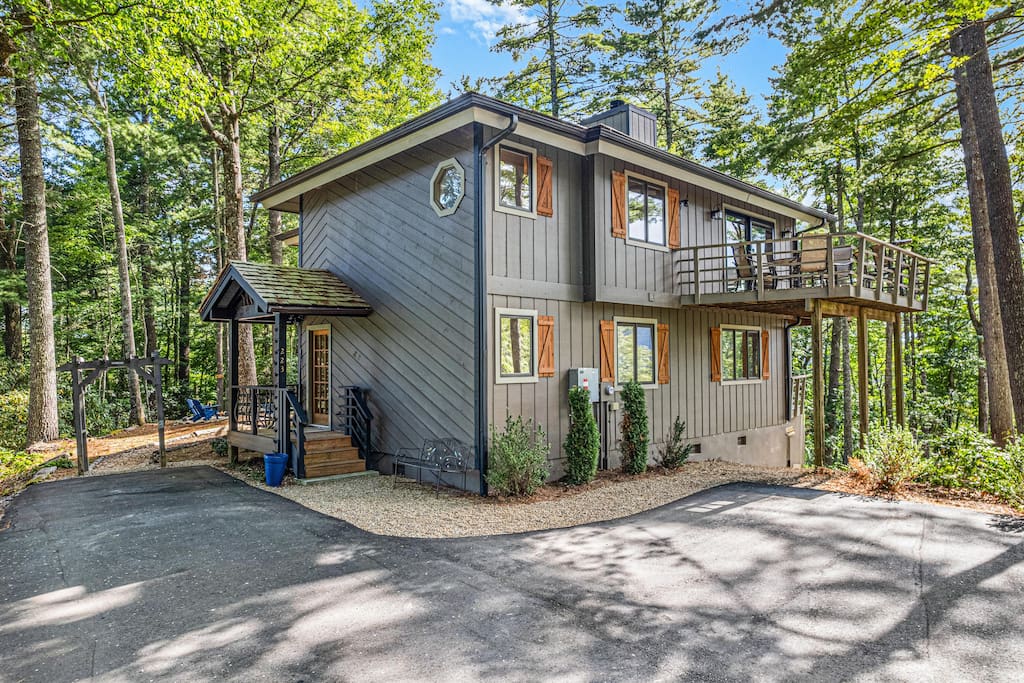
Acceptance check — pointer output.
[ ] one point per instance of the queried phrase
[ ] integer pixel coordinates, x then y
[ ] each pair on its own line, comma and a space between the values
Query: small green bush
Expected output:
965, 458
13, 415
893, 457
518, 458
635, 438
219, 446
583, 442
674, 452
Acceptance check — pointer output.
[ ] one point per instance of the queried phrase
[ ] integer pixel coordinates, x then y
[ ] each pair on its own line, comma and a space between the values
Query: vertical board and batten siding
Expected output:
377, 231
622, 268
709, 408
539, 249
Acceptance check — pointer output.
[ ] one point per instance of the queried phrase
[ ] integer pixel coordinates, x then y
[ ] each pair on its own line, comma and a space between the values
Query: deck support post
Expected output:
818, 379
897, 369
862, 373
232, 386
281, 382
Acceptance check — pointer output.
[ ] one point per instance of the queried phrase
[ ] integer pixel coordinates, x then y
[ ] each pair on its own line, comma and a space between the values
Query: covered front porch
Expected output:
294, 419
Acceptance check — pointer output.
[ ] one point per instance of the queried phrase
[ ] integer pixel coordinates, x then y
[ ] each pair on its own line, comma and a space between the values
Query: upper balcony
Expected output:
782, 275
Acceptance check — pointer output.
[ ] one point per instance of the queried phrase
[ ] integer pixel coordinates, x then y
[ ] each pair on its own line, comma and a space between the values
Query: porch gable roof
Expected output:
254, 292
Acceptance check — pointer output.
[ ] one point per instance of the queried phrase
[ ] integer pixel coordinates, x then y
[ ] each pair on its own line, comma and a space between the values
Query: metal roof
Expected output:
254, 292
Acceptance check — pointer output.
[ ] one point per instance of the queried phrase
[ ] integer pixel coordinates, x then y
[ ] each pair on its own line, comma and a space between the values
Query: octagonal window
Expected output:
447, 187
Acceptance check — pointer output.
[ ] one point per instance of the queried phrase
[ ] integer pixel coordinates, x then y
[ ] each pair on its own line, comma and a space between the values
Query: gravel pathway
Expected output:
413, 511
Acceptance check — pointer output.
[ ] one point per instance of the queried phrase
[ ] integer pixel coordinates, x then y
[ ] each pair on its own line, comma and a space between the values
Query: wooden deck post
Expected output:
818, 378
862, 373
232, 385
897, 369
281, 382
78, 409
160, 422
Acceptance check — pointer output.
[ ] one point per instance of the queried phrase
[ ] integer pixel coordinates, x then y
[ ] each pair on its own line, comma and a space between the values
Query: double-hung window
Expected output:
516, 171
645, 203
634, 350
741, 353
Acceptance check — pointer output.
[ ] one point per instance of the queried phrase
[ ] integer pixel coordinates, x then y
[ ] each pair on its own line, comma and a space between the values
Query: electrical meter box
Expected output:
588, 379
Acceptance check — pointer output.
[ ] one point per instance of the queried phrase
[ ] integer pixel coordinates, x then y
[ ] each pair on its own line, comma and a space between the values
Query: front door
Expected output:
320, 376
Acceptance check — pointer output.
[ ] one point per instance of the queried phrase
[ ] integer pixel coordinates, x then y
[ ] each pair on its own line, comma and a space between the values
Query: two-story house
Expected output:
473, 262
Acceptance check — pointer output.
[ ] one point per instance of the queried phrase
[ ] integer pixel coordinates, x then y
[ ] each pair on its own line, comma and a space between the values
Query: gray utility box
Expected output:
587, 378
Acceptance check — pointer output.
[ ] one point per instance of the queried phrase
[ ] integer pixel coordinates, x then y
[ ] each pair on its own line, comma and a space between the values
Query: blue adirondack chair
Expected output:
199, 412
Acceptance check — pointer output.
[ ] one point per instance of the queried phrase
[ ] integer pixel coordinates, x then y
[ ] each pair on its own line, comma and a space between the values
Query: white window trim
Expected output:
641, 243
441, 167
305, 374
642, 321
498, 206
521, 313
745, 380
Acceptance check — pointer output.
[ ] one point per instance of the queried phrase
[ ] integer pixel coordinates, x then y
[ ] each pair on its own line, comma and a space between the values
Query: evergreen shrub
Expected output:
635, 438
518, 458
583, 442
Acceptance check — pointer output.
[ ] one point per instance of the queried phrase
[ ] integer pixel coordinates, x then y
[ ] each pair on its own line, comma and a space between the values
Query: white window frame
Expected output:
441, 167
498, 206
642, 243
745, 380
519, 313
653, 322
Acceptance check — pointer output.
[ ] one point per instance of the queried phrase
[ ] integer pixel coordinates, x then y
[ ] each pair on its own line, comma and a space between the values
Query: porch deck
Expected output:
850, 270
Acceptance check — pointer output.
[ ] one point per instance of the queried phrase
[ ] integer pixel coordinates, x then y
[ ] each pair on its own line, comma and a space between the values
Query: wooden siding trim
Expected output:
664, 355
545, 346
534, 289
674, 239
765, 355
607, 338
545, 205
716, 354
618, 205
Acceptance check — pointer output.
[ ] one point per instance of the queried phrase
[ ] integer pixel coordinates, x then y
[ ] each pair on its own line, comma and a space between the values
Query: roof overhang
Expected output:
235, 296
475, 108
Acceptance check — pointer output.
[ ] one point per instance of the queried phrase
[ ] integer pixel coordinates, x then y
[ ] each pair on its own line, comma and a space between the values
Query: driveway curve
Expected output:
187, 574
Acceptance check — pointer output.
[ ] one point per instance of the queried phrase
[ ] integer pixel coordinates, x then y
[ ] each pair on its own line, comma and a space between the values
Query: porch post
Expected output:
232, 385
818, 378
280, 381
862, 373
897, 369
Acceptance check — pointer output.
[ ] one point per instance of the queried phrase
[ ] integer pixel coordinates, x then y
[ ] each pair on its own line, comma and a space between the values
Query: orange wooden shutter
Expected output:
607, 350
545, 205
765, 372
545, 346
716, 354
674, 238
663, 354
618, 204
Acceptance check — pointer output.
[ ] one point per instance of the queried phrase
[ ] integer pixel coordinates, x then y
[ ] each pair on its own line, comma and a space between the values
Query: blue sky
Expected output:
466, 30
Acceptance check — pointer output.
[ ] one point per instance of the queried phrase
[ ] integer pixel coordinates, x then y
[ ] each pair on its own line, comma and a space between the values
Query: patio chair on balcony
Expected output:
746, 272
813, 260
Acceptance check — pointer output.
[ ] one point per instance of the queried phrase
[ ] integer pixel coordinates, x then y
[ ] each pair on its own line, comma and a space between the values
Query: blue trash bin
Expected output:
274, 465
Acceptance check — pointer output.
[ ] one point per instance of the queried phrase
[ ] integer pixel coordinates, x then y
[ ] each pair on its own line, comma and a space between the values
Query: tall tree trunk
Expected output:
970, 41
42, 384
9, 264
552, 59
844, 330
234, 233
218, 228
888, 380
137, 413
147, 271
984, 417
999, 409
832, 393
274, 176
184, 346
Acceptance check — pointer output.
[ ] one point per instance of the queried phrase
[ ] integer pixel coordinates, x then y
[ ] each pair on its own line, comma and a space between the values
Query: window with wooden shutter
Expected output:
545, 203
663, 354
674, 237
716, 354
618, 204
607, 343
545, 346
765, 372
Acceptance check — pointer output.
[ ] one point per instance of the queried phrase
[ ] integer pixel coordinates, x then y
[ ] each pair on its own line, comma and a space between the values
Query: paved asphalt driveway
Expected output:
187, 574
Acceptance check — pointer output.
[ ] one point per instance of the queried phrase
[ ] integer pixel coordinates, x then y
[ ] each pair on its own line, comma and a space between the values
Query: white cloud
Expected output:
486, 18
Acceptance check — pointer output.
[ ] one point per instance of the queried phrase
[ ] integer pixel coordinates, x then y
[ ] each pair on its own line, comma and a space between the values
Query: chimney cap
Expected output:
618, 103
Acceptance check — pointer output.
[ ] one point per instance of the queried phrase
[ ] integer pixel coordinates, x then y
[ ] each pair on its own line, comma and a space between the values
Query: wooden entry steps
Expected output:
329, 453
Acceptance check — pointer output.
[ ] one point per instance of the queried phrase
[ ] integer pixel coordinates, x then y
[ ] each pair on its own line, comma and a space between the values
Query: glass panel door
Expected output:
320, 376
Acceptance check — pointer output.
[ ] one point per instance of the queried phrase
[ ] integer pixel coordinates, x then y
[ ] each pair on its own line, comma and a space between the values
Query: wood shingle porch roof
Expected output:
254, 292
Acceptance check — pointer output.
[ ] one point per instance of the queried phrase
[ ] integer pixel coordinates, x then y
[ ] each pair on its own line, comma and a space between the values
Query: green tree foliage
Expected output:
583, 442
635, 431
729, 137
517, 458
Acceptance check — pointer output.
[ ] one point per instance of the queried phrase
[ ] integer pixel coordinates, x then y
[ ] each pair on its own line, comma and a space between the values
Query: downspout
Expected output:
789, 367
480, 149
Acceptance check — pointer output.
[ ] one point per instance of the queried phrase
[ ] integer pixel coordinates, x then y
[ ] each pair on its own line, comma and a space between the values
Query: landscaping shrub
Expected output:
13, 415
635, 438
219, 446
674, 452
518, 463
965, 458
583, 442
894, 457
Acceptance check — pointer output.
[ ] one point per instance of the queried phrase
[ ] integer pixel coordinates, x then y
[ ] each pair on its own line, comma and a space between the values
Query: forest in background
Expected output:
134, 134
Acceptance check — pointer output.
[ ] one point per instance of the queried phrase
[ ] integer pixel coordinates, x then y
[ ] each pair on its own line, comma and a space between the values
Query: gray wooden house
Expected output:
474, 261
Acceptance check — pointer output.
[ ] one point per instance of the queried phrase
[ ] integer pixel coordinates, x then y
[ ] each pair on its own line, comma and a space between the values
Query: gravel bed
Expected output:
410, 510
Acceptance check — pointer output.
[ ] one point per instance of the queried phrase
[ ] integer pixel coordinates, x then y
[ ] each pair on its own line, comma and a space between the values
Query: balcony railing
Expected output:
833, 265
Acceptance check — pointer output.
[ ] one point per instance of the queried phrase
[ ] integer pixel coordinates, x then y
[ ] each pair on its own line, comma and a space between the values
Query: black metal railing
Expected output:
259, 409
357, 420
